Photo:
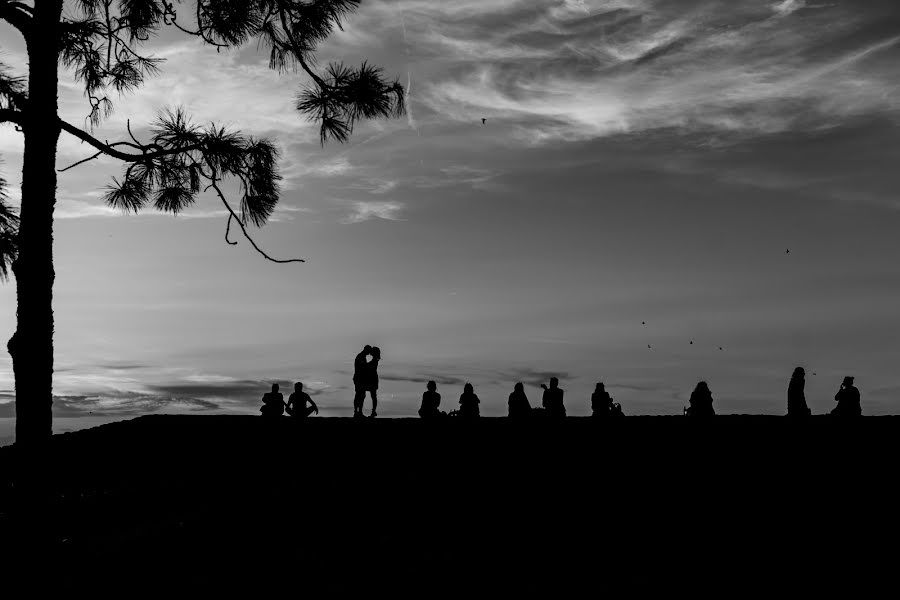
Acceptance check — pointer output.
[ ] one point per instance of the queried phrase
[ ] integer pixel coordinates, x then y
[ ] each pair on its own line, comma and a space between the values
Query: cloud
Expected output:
591, 70
363, 211
438, 379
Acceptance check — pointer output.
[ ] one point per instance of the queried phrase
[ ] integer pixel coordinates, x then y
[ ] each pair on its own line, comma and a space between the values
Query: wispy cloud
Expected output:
363, 211
577, 70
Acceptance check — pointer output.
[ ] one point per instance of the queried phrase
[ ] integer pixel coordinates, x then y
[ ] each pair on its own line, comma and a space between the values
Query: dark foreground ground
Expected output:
644, 506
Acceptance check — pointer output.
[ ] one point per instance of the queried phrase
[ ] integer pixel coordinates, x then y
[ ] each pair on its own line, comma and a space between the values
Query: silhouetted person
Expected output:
602, 404
371, 379
431, 402
553, 399
847, 400
796, 398
468, 403
273, 403
360, 370
519, 406
701, 402
298, 401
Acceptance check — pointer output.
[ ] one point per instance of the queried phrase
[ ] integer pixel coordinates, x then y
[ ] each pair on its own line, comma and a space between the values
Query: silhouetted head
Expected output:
799, 373
468, 389
367, 349
298, 387
554, 382
274, 387
519, 388
848, 381
702, 388
600, 387
432, 386
376, 352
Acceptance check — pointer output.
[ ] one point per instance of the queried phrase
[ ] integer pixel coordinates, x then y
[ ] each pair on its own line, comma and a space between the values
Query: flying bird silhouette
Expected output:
643, 322
648, 345
720, 347
787, 251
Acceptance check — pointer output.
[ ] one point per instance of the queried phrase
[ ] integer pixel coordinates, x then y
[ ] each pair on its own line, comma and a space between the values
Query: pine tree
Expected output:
100, 42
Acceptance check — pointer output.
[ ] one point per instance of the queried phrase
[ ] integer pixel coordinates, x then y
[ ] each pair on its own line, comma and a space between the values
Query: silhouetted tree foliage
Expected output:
101, 43
9, 225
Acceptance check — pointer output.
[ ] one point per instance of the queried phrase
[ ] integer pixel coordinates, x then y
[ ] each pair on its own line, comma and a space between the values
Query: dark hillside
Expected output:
644, 505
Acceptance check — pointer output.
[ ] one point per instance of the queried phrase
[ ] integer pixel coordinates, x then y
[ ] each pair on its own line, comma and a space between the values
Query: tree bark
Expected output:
31, 346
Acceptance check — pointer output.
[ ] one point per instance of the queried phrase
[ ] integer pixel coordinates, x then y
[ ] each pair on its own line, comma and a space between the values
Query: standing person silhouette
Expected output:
360, 368
795, 397
847, 400
371, 380
468, 403
273, 403
518, 403
297, 403
552, 400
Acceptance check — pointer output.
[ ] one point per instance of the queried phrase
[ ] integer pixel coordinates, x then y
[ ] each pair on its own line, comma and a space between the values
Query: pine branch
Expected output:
232, 215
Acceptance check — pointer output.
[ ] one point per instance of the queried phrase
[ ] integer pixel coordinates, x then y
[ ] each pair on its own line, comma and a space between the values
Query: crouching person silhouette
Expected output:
519, 407
468, 403
552, 400
431, 402
701, 402
299, 403
273, 403
602, 404
847, 400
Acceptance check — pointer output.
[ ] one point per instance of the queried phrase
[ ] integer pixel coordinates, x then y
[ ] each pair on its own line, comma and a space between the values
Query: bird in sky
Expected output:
643, 322
720, 347
648, 345
483, 120
787, 251
692, 342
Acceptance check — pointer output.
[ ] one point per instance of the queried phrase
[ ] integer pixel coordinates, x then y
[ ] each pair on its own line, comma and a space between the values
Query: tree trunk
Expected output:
31, 346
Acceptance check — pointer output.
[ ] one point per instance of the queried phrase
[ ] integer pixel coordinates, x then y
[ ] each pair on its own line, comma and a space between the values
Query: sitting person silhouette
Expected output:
796, 398
847, 400
701, 402
518, 403
297, 403
431, 402
552, 400
273, 403
602, 404
468, 403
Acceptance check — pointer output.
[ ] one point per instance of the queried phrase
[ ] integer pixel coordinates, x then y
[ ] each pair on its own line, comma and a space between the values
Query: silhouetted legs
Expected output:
358, 401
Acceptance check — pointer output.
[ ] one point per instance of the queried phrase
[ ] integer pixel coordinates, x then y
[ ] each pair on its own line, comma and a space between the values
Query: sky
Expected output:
643, 168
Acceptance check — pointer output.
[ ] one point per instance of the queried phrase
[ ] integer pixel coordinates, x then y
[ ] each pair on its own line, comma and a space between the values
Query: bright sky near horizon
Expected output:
642, 161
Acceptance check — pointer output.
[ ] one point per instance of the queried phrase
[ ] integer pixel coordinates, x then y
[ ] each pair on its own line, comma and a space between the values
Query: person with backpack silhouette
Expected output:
847, 400
701, 402
273, 403
431, 402
602, 404
468, 403
519, 407
795, 396
299, 403
552, 400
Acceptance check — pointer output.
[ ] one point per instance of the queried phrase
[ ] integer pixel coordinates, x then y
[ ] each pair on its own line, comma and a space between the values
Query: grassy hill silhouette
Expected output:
644, 505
